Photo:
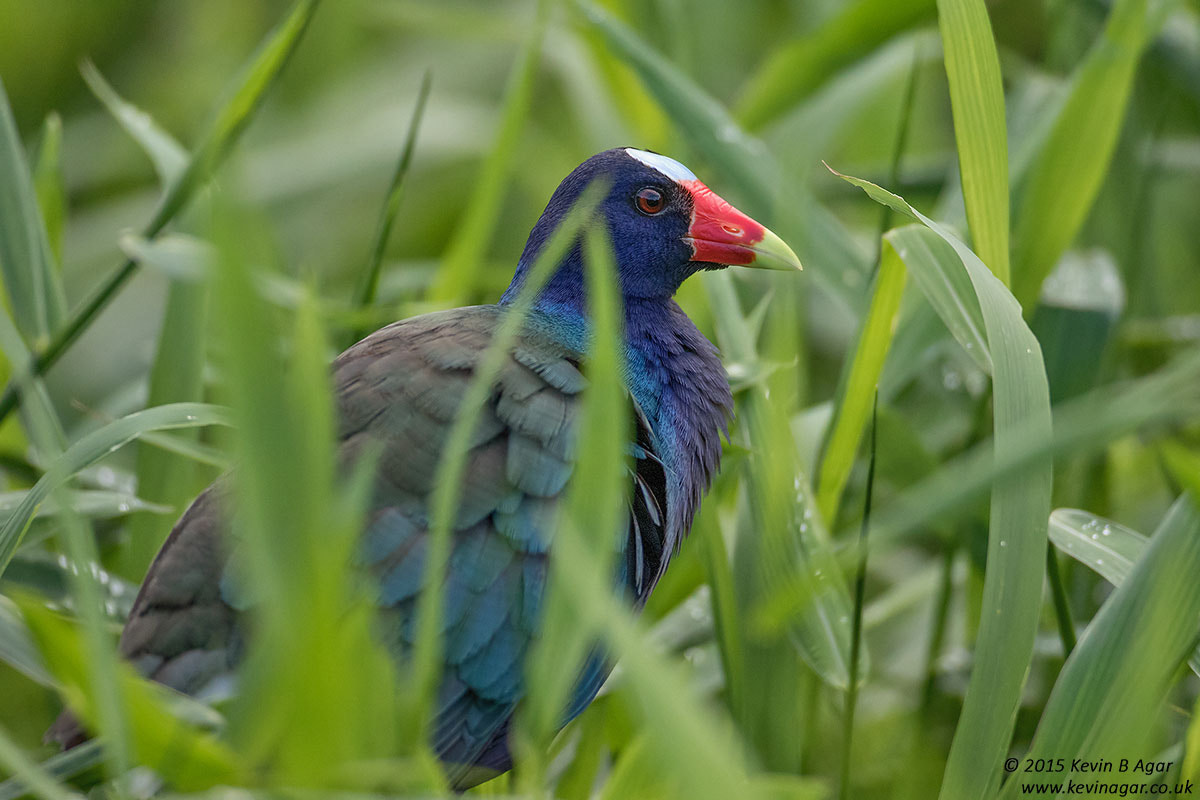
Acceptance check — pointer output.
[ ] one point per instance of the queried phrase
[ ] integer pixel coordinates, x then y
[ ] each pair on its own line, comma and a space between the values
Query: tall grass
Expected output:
1030, 326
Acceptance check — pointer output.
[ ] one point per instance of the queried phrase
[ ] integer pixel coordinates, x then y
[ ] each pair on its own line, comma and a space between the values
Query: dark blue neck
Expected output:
673, 373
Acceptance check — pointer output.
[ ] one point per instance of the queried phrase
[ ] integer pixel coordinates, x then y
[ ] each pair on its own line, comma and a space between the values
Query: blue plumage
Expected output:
398, 391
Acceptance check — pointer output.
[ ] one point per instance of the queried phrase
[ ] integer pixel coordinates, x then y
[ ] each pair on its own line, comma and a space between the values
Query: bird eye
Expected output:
649, 201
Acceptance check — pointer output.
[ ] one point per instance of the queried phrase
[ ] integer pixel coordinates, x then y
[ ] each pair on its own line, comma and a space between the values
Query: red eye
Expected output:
649, 201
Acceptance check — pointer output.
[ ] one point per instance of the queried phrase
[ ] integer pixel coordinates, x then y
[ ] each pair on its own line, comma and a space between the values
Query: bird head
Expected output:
664, 225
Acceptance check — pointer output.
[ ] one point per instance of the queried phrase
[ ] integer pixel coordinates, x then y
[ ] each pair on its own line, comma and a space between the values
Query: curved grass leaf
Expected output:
692, 745
186, 757
977, 104
1084, 425
427, 657
1067, 172
175, 377
28, 776
795, 69
796, 584
1107, 547
168, 156
91, 449
90, 503
62, 766
25, 259
48, 183
867, 364
16, 646
1107, 698
295, 527
459, 271
594, 510
1020, 508
370, 279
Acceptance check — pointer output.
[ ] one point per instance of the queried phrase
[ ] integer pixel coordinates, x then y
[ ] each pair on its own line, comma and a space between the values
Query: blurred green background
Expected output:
758, 85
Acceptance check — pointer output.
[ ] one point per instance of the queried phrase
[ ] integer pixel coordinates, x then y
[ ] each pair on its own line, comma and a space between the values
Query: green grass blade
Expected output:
89, 503
30, 775
1067, 172
16, 646
168, 156
1082, 426
230, 120
791, 581
794, 70
24, 249
795, 214
187, 757
175, 377
62, 767
1108, 548
692, 745
459, 271
387, 217
977, 104
854, 406
296, 529
1020, 508
52, 200
21, 362
427, 658
92, 448
1107, 698
595, 510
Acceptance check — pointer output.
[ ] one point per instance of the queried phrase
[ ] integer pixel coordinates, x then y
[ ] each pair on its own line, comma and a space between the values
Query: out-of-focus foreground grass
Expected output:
213, 183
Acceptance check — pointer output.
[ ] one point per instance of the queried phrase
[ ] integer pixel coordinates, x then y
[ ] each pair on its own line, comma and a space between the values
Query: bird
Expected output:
398, 389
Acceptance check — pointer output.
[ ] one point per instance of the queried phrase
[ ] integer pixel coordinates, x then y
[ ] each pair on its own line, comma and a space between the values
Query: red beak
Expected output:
720, 234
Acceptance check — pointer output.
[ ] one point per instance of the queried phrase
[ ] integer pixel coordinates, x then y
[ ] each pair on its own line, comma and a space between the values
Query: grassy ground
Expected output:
1002, 252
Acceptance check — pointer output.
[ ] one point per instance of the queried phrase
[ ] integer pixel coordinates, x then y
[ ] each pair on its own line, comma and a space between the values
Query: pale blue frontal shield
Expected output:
667, 166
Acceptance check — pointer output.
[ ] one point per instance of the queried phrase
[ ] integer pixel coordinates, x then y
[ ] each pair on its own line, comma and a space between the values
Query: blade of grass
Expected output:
52, 201
458, 274
230, 120
866, 367
427, 658
168, 156
791, 551
1106, 547
1020, 507
92, 448
595, 503
175, 377
860, 589
795, 69
24, 249
90, 503
295, 529
722, 589
16, 646
692, 745
1106, 700
41, 408
977, 104
62, 767
31, 775
186, 756
387, 217
1068, 170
